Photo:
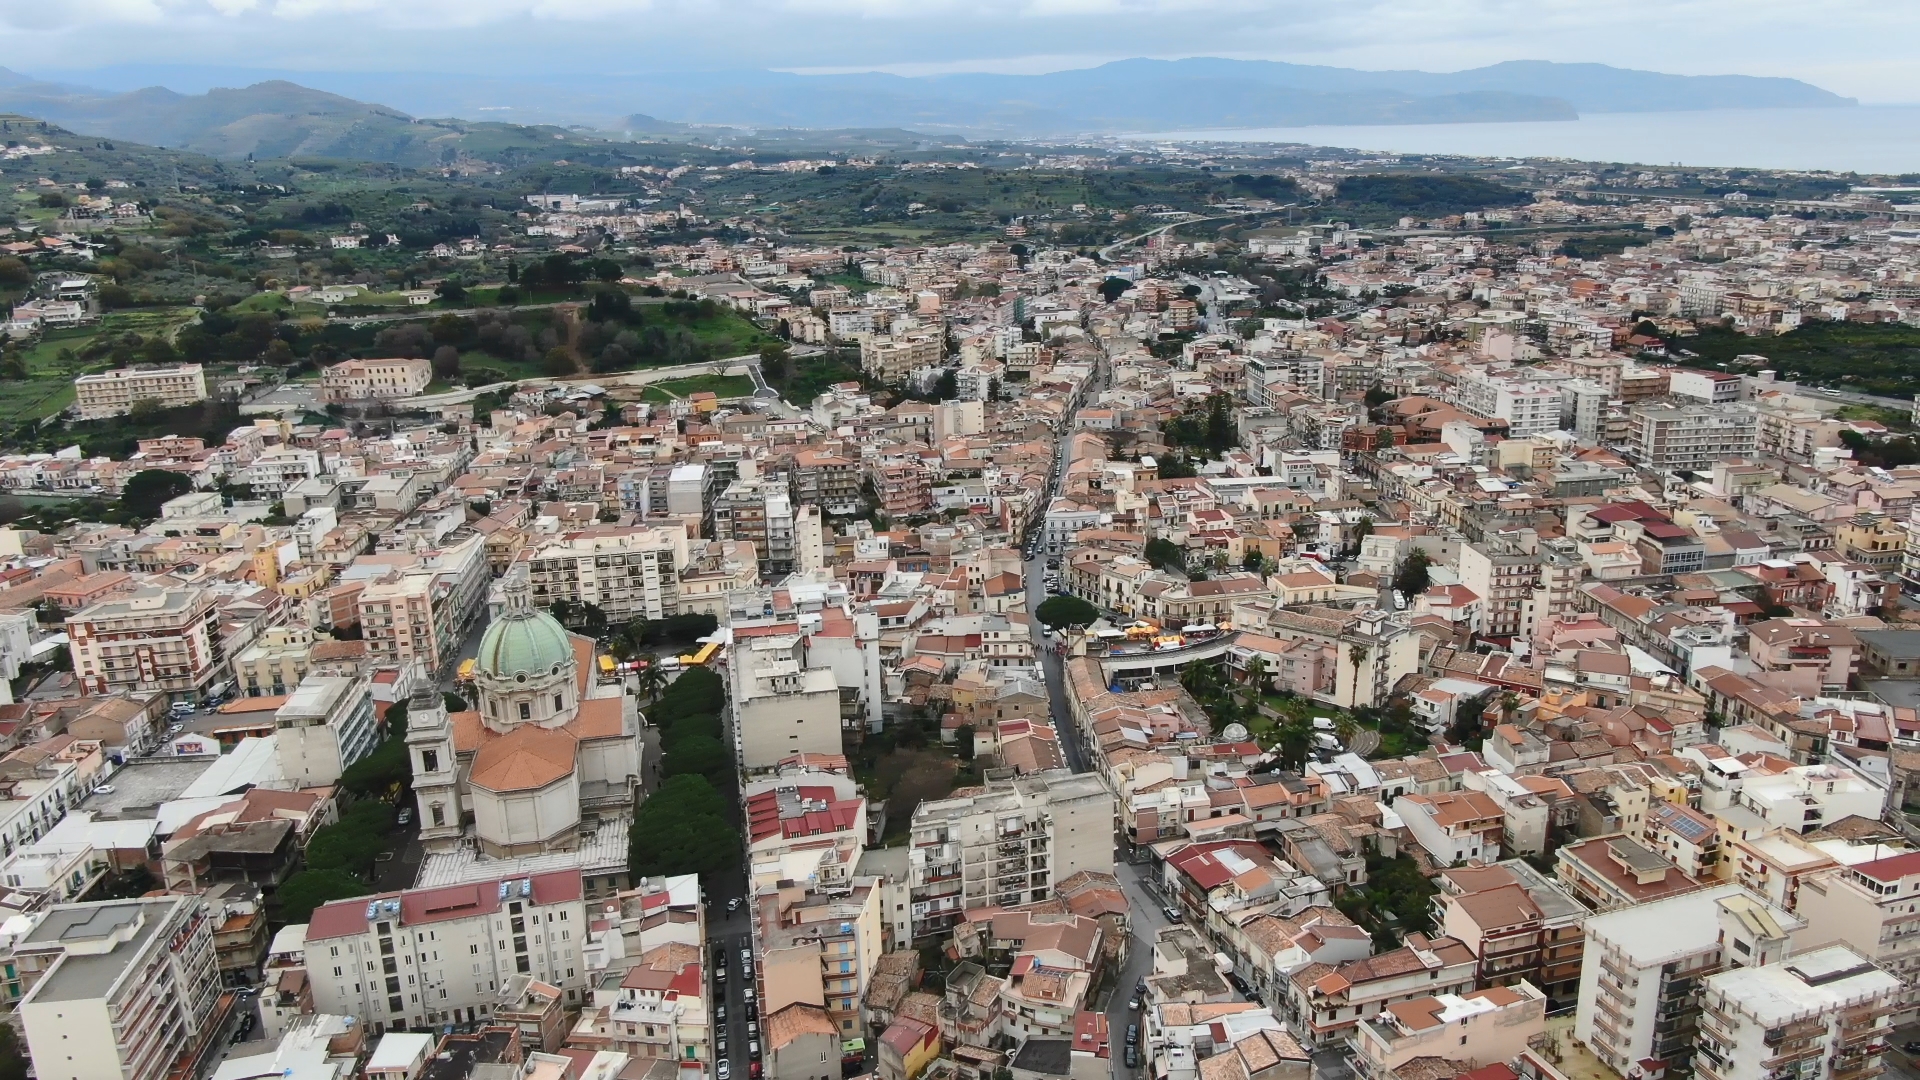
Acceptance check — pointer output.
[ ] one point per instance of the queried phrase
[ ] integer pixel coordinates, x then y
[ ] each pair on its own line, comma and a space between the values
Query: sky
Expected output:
1860, 48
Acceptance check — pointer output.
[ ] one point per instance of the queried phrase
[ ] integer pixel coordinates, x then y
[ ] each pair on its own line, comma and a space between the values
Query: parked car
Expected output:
733, 904
753, 1049
747, 992
1173, 914
1911, 1047
720, 1046
753, 1026
723, 1070
1133, 1034
1133, 1057
406, 815
1134, 1003
720, 1012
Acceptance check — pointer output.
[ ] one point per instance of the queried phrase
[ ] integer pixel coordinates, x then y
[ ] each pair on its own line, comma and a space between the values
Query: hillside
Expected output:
328, 114
279, 119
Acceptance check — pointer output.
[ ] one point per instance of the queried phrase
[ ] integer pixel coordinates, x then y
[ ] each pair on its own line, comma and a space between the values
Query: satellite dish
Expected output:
1234, 733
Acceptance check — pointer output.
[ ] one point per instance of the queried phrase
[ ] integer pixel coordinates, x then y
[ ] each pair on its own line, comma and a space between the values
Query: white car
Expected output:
722, 1070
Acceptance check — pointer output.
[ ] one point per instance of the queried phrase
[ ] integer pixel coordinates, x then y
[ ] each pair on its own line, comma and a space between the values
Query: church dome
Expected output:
523, 641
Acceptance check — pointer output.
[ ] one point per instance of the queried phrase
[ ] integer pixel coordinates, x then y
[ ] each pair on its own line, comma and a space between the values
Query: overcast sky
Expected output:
1861, 48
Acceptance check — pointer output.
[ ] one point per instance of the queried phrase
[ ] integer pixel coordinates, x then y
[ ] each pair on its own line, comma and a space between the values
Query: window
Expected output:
526, 711
557, 705
430, 760
439, 814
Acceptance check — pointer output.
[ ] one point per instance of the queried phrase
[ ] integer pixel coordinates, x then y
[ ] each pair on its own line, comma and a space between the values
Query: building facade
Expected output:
115, 393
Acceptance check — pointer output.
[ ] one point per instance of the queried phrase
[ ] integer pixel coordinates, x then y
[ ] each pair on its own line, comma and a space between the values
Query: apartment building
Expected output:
789, 537
1818, 1015
370, 380
325, 726
892, 359
627, 573
1641, 975
276, 661
115, 393
1476, 1028
903, 487
418, 614
1870, 906
783, 702
656, 1009
1504, 571
828, 480
1009, 843
154, 638
1691, 437
823, 944
1519, 924
1325, 1003
421, 957
122, 988
1454, 826
1528, 408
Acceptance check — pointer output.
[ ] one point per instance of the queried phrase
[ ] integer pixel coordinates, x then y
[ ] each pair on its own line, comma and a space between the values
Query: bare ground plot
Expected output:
906, 778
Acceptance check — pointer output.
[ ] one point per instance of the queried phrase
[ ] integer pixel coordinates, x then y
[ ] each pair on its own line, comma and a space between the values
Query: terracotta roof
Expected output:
526, 758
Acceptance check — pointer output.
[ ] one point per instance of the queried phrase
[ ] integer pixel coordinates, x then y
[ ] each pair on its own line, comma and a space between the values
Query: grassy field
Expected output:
725, 386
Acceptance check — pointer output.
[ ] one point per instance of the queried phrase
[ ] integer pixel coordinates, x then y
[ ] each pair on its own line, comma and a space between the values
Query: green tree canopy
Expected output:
1166, 555
308, 889
1411, 579
699, 755
681, 830
147, 489
1059, 611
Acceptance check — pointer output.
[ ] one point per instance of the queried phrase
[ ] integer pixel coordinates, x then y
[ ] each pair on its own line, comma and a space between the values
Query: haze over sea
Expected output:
1867, 139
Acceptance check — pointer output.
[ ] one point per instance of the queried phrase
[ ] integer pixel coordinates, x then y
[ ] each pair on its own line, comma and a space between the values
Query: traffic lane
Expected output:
1146, 920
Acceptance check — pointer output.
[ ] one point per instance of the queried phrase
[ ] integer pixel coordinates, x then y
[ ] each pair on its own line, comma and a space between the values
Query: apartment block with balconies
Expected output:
1824, 1014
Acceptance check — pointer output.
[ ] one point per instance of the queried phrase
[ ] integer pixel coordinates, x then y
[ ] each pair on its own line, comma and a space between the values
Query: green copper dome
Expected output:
523, 640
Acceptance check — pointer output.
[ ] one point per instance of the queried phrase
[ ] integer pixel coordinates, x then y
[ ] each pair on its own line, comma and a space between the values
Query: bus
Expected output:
466, 670
703, 657
607, 667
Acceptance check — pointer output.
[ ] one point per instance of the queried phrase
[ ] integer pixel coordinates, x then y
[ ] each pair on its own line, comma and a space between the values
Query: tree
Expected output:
963, 742
1166, 555
147, 489
1058, 611
559, 363
300, 894
947, 386
1113, 288
682, 829
1410, 579
700, 754
446, 362
650, 680
1257, 675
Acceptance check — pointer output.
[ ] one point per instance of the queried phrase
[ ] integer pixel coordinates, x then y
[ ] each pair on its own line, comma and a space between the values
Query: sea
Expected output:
1863, 139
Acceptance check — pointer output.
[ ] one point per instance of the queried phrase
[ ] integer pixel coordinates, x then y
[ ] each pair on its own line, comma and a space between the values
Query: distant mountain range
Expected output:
274, 116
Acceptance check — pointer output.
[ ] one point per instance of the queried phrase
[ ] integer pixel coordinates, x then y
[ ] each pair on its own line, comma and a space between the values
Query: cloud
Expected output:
1822, 42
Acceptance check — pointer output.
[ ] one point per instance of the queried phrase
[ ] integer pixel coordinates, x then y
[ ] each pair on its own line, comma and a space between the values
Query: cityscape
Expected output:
814, 602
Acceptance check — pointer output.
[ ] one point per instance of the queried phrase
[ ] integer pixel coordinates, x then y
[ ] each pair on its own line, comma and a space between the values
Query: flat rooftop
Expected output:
83, 976
139, 787
1812, 983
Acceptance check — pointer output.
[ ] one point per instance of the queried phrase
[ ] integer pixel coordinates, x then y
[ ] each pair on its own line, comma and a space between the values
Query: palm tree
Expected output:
649, 681
1257, 675
1356, 655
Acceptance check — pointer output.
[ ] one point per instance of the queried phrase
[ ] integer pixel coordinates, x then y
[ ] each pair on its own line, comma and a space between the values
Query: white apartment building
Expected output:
122, 988
1712, 387
417, 615
1818, 1015
114, 393
154, 638
627, 573
273, 472
1528, 408
325, 726
1870, 906
1476, 1028
367, 380
1454, 826
1805, 797
1670, 437
891, 359
1640, 976
783, 703
421, 957
1008, 844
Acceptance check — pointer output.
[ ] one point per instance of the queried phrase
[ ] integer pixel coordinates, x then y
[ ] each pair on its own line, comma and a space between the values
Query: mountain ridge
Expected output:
280, 116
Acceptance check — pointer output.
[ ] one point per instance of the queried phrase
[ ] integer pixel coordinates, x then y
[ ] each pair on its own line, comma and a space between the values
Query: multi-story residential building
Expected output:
628, 573
1518, 923
762, 512
1670, 438
1476, 1028
154, 638
1869, 905
1454, 826
804, 826
1872, 540
1640, 981
1009, 843
1618, 870
1818, 1015
1504, 571
1805, 797
418, 615
783, 702
656, 1009
420, 957
325, 726
828, 480
1712, 387
1528, 408
276, 661
891, 359
115, 393
903, 487
272, 473
1325, 1003
121, 988
370, 380
833, 934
